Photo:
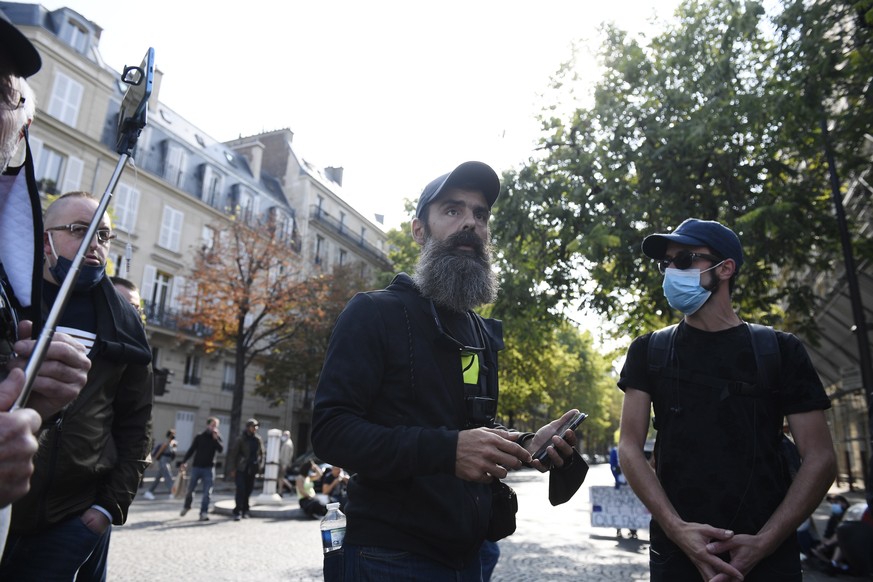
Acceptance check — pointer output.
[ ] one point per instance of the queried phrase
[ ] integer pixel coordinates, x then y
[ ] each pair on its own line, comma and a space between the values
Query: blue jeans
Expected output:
369, 564
165, 471
57, 554
207, 474
489, 553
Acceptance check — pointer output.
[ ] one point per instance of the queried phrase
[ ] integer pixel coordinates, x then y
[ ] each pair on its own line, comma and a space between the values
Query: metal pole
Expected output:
860, 327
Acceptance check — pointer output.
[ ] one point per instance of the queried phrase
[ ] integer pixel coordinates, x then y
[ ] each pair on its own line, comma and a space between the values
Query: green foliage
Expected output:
402, 249
718, 118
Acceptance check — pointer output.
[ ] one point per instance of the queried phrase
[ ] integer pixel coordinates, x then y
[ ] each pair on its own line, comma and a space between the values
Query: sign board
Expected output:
617, 508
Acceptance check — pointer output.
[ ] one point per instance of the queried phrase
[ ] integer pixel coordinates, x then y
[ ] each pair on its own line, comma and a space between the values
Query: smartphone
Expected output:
541, 455
133, 115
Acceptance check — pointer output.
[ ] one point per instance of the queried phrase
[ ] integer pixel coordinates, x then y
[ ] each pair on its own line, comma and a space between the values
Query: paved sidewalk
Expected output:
550, 544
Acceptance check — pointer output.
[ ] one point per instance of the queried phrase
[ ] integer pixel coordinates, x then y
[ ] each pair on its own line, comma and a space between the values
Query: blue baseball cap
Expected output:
475, 174
695, 232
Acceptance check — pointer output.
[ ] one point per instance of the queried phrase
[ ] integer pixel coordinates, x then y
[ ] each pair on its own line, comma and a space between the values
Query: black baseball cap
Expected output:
18, 49
480, 175
695, 232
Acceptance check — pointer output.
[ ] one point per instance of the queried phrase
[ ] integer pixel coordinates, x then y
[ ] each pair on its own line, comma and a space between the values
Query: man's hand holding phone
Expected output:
555, 441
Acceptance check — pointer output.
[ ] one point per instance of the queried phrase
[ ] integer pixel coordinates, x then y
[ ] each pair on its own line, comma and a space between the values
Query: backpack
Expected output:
768, 360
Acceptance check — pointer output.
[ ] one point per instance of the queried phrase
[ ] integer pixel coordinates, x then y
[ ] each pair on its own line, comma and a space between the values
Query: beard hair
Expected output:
456, 279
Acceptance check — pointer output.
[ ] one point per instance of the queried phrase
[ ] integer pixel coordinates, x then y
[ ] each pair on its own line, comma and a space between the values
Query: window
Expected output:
126, 206
171, 229
342, 226
363, 234
120, 265
207, 238
192, 370
343, 257
229, 377
184, 426
161, 292
55, 172
75, 35
175, 160
65, 99
213, 184
319, 250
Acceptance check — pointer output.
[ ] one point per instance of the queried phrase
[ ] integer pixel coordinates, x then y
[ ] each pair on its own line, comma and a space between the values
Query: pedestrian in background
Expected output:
245, 460
164, 454
286, 457
204, 448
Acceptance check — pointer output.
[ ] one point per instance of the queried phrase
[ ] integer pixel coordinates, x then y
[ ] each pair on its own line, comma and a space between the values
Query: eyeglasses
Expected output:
14, 100
104, 235
683, 260
449, 342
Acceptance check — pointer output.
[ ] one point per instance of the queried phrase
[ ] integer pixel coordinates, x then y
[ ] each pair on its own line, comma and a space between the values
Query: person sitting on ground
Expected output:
825, 549
306, 495
854, 553
334, 484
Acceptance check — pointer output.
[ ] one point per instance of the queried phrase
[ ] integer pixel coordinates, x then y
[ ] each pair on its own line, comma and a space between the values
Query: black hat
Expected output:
19, 50
476, 173
695, 232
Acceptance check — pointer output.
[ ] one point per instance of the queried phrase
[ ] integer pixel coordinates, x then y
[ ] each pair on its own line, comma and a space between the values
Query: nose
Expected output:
469, 221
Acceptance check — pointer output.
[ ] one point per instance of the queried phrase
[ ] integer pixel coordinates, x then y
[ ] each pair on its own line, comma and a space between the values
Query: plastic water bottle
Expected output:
333, 528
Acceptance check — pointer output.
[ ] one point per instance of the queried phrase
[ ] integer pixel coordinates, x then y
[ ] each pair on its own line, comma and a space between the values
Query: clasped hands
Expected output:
484, 454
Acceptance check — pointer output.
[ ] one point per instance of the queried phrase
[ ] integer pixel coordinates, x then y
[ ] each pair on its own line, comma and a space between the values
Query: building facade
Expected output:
181, 190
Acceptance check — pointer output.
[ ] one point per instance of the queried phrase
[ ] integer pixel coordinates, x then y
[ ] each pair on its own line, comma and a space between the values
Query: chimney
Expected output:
334, 174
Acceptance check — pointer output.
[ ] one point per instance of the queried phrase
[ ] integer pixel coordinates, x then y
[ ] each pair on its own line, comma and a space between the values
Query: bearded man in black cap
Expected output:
723, 503
407, 398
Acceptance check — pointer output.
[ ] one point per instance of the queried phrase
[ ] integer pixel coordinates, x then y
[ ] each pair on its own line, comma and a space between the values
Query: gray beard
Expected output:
454, 279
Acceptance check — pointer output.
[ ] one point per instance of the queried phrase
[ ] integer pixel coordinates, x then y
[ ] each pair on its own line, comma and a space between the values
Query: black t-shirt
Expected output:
717, 452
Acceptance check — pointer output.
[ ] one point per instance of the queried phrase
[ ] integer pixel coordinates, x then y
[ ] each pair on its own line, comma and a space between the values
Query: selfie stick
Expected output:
129, 131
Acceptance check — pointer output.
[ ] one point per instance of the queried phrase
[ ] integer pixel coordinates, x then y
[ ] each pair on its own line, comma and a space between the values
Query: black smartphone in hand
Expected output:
541, 455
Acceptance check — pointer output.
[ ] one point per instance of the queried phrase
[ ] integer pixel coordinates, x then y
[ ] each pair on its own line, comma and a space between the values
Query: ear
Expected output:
46, 246
418, 230
727, 269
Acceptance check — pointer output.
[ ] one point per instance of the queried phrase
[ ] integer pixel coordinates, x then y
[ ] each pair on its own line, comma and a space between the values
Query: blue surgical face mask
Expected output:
836, 508
89, 275
683, 290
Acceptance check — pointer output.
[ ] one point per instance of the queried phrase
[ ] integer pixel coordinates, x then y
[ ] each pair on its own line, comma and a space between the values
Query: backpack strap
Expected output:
660, 349
765, 346
768, 358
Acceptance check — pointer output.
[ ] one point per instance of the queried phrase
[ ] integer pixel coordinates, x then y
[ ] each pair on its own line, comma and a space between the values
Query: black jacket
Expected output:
203, 449
388, 408
94, 451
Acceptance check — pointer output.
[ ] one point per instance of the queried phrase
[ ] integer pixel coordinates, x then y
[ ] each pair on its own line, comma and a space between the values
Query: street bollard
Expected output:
271, 470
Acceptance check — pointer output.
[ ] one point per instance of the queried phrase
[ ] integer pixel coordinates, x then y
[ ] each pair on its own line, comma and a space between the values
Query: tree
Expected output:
700, 121
296, 361
248, 289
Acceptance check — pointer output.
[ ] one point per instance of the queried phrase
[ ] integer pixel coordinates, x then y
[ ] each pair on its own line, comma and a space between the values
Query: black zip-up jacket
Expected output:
388, 408
94, 451
203, 449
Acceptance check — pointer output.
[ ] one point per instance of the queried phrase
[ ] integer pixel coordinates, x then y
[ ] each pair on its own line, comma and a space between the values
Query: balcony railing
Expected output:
162, 316
323, 218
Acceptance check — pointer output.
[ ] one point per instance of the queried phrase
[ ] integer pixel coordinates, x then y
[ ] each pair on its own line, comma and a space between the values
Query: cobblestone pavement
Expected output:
550, 544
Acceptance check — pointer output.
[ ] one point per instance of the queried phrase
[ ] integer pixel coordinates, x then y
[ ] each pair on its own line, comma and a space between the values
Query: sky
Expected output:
395, 92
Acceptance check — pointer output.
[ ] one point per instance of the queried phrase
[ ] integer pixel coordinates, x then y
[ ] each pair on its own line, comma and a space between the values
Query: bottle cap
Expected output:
331, 506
